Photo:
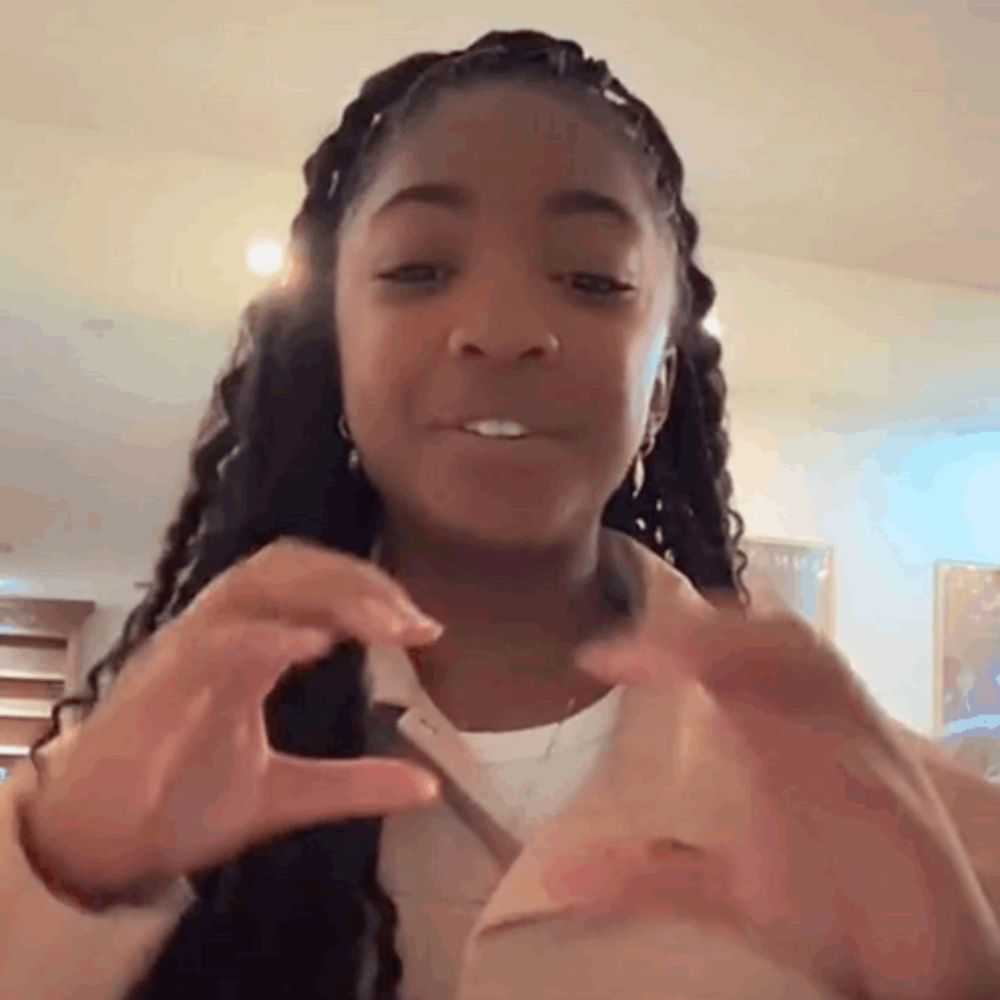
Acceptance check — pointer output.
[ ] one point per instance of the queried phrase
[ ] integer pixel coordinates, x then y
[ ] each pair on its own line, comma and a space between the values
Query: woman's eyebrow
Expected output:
560, 204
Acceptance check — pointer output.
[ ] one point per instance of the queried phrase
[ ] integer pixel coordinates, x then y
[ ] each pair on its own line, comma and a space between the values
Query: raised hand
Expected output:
852, 866
173, 771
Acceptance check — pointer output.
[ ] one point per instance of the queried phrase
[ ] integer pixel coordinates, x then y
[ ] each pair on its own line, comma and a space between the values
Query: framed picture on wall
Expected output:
967, 663
799, 573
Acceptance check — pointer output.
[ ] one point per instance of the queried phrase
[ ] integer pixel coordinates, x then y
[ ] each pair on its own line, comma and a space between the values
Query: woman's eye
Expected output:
397, 274
594, 285
600, 285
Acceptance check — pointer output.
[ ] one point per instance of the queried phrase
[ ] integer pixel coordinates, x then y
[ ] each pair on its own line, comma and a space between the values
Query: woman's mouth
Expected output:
496, 429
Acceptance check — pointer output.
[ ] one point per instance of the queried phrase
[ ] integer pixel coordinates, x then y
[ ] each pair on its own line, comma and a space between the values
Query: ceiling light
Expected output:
265, 256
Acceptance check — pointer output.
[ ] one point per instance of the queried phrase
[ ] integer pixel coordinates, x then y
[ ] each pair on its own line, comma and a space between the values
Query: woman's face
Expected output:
496, 298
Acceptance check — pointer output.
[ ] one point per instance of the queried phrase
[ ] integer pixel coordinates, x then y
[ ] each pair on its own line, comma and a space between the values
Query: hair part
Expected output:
304, 914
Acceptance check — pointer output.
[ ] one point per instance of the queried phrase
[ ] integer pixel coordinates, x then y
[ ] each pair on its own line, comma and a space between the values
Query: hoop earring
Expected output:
353, 462
638, 476
639, 469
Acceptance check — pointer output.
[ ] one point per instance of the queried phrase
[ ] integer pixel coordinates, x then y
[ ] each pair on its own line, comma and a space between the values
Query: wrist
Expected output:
66, 890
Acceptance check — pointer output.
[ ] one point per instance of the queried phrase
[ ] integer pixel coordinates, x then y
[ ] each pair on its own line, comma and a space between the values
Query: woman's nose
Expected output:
503, 341
499, 321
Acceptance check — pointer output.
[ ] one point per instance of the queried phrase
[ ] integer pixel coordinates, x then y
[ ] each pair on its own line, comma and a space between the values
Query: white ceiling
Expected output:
861, 132
857, 134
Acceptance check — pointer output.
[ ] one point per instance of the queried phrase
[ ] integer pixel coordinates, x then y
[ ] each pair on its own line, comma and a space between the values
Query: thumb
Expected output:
299, 792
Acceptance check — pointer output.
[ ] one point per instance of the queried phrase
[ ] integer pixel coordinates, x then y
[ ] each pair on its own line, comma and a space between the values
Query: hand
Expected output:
173, 771
852, 868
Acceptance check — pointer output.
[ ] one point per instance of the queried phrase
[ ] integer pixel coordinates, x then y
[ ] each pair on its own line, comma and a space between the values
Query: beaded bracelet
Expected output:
82, 900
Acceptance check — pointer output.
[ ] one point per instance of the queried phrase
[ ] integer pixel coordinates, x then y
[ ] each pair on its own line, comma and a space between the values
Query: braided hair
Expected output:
303, 915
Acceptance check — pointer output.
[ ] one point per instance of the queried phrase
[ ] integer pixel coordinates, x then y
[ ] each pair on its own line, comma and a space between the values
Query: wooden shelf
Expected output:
39, 642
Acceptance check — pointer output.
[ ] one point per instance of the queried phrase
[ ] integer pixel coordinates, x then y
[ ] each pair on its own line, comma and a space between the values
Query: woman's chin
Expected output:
500, 532
498, 524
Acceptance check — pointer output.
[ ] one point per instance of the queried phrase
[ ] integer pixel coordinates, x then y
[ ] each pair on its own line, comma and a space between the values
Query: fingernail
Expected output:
396, 616
430, 788
412, 614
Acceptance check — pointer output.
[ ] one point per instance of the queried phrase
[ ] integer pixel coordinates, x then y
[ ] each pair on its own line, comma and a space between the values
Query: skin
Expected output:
847, 864
501, 541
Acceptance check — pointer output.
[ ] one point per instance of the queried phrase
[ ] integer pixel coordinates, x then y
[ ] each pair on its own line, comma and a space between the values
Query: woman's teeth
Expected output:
496, 428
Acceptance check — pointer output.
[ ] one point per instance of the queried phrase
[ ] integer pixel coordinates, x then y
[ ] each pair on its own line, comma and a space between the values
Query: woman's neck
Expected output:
512, 622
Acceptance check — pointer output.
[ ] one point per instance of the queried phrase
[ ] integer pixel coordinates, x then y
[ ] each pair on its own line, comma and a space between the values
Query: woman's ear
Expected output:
663, 390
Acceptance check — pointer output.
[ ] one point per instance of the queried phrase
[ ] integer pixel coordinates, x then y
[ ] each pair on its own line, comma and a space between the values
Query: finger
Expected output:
169, 677
647, 654
777, 663
773, 659
294, 580
780, 656
260, 655
781, 668
238, 660
271, 650
299, 792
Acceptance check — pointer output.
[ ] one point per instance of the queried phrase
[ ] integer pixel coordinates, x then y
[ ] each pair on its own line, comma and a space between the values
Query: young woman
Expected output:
485, 394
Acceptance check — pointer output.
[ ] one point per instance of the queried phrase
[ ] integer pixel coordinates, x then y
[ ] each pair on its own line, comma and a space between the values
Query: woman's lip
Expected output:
463, 425
524, 440
494, 437
548, 434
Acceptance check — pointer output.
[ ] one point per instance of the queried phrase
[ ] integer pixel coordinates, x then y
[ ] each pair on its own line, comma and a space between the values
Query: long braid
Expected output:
294, 916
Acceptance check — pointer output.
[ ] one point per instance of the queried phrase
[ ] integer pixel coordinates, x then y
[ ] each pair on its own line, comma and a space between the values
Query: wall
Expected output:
887, 444
102, 631
890, 503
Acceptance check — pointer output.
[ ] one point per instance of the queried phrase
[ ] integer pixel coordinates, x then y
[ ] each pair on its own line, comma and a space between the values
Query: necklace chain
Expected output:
529, 796
533, 788
613, 601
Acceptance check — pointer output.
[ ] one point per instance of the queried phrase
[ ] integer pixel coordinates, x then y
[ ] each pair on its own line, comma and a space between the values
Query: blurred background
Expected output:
842, 159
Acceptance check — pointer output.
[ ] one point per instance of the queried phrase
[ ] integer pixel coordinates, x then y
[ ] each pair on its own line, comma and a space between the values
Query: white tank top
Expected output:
435, 919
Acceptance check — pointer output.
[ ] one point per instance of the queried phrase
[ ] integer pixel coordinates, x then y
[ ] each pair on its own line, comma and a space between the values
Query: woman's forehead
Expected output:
512, 110
511, 143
